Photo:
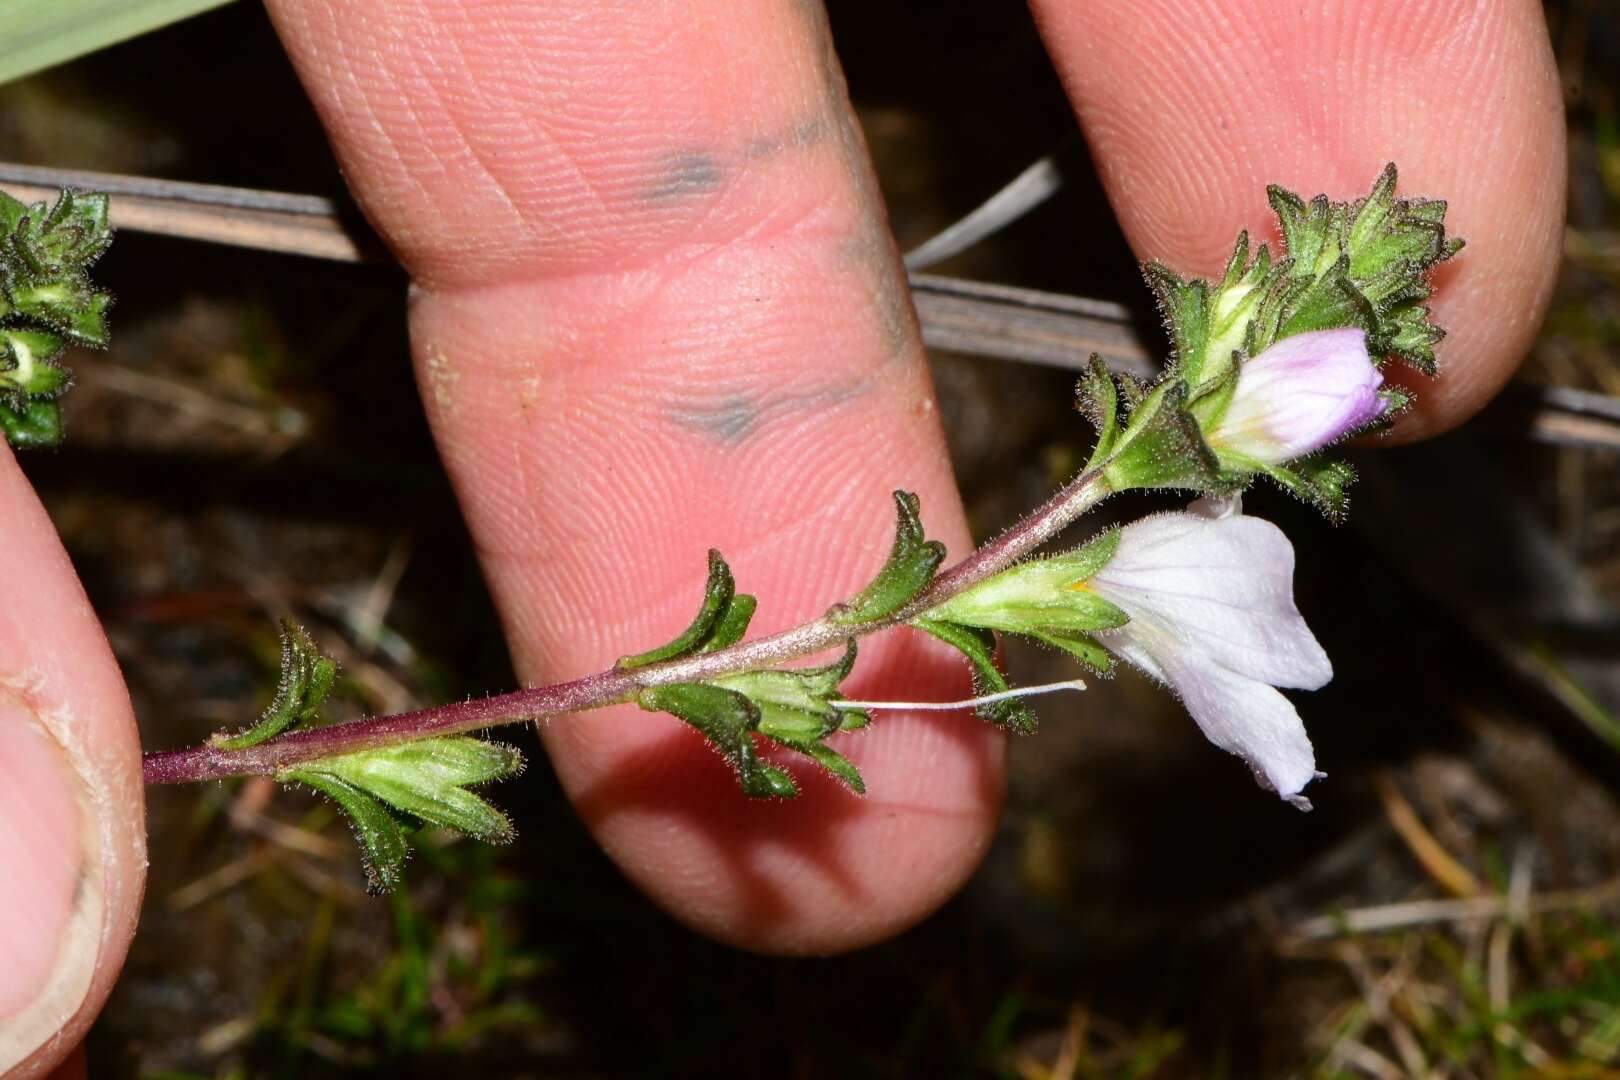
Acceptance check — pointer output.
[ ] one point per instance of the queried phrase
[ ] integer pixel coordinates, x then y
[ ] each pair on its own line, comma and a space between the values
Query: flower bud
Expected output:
1303, 393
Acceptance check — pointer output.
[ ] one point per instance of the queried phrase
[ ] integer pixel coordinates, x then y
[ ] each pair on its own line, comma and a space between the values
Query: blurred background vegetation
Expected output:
252, 446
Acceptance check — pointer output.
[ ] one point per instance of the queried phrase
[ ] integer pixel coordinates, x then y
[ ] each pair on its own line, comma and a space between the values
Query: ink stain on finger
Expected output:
728, 419
732, 418
806, 132
685, 174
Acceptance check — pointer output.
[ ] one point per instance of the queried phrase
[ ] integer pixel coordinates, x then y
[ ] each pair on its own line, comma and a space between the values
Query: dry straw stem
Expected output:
976, 318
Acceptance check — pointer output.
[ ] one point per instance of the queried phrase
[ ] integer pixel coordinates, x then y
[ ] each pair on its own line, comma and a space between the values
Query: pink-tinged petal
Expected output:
1247, 718
1212, 614
1217, 588
1301, 394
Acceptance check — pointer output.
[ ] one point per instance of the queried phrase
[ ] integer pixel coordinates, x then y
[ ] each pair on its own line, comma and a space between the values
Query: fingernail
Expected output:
41, 856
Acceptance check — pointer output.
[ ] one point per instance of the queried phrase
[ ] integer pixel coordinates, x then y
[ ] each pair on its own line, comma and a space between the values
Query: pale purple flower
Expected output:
1306, 391
1211, 604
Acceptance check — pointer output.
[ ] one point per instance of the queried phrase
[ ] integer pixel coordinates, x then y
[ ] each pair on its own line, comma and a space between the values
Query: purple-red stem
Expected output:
207, 762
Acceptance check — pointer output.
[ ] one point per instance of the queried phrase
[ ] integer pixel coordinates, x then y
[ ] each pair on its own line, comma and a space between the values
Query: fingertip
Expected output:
1192, 108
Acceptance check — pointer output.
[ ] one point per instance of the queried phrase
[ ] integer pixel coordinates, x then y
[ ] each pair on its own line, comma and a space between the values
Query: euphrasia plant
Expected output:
1273, 363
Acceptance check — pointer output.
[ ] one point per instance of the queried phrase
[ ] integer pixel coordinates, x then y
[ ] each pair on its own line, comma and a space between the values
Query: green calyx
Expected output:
797, 709
1047, 600
1042, 594
426, 779
47, 303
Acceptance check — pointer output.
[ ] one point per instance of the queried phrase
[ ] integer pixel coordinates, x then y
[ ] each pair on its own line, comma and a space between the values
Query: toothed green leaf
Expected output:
733, 624
1098, 398
913, 559
1185, 308
1083, 647
1363, 264
27, 365
380, 835
722, 619
727, 719
37, 424
68, 305
69, 237
1162, 446
12, 211
1412, 337
306, 680
1330, 302
46, 301
841, 768
1320, 480
979, 646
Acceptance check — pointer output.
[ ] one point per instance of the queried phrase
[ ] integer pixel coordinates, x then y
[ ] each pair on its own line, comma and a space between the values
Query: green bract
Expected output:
47, 303
425, 778
1160, 444
1361, 265
721, 620
306, 680
796, 708
911, 566
978, 646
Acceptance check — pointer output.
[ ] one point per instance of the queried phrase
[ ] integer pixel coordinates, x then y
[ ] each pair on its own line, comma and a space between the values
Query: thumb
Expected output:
72, 846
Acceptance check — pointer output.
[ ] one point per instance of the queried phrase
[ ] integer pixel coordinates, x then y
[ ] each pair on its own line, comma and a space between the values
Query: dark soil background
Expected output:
252, 446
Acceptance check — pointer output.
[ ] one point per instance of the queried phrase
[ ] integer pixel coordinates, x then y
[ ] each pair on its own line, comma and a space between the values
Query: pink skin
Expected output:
55, 665
655, 308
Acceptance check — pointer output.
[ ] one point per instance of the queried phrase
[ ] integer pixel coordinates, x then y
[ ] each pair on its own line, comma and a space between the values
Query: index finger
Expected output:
656, 308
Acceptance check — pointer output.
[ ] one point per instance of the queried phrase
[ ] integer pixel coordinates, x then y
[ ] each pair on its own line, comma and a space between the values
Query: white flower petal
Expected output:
1247, 718
1218, 588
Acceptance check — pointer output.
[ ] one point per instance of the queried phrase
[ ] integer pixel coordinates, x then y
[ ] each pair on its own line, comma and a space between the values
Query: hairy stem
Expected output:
613, 686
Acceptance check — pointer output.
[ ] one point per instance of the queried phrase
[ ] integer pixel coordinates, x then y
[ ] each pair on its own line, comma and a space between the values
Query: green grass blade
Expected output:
37, 34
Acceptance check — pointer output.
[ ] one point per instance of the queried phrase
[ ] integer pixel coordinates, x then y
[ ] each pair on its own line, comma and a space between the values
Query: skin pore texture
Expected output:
655, 308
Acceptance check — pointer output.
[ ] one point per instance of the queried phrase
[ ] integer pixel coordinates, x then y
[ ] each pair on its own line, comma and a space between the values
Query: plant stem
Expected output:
613, 686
